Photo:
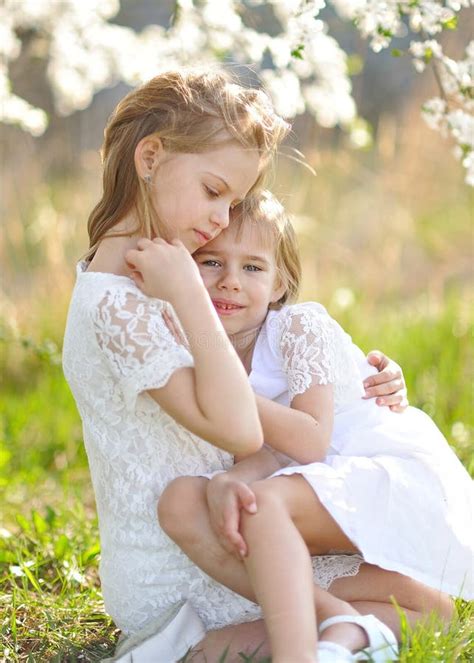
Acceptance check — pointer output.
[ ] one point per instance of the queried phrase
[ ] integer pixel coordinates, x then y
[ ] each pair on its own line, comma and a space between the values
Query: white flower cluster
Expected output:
380, 22
452, 115
302, 66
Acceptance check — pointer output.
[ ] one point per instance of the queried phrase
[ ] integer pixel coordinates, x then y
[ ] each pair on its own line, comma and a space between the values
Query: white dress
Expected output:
117, 346
391, 481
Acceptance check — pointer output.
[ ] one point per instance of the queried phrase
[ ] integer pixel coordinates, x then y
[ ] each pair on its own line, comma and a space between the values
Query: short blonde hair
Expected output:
273, 225
190, 111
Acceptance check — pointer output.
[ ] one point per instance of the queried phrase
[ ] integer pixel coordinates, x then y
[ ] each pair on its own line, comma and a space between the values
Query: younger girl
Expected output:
385, 485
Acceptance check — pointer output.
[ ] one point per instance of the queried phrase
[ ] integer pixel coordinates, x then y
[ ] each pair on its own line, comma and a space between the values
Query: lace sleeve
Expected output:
308, 348
140, 350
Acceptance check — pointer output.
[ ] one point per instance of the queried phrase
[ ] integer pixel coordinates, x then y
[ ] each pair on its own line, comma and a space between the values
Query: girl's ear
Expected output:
148, 154
278, 291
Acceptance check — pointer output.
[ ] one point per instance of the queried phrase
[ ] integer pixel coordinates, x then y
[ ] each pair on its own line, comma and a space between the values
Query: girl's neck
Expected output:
110, 254
244, 344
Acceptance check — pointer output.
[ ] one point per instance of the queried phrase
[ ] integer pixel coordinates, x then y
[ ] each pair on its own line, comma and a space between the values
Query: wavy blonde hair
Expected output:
275, 230
189, 111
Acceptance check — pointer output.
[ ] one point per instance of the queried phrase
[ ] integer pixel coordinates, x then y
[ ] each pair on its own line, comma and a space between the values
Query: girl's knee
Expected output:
178, 503
432, 601
270, 505
446, 608
267, 495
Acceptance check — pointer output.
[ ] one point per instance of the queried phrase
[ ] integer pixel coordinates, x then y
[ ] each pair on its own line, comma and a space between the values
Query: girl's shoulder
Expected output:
314, 349
98, 290
300, 315
305, 324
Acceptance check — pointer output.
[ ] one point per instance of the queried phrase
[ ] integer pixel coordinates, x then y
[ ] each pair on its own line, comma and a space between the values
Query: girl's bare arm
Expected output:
213, 399
302, 431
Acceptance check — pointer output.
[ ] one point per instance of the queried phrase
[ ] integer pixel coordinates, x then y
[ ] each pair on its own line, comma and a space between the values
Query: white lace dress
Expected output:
391, 481
117, 346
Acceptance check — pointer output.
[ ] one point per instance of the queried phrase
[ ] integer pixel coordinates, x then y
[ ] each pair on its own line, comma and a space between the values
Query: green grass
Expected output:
50, 605
50, 595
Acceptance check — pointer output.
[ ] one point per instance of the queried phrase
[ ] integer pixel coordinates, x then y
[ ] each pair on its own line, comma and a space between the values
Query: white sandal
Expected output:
382, 645
330, 652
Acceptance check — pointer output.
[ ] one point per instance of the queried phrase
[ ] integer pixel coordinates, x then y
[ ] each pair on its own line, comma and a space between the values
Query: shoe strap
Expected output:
329, 652
378, 634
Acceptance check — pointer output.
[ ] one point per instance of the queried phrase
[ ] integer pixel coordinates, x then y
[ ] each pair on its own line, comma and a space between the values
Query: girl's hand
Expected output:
388, 385
225, 498
161, 269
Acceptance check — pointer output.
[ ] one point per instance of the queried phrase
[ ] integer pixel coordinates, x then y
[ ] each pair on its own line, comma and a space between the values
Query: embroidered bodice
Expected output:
301, 345
116, 346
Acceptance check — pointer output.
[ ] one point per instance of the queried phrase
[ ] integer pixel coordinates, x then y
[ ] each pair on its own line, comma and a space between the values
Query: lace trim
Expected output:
328, 568
316, 350
140, 348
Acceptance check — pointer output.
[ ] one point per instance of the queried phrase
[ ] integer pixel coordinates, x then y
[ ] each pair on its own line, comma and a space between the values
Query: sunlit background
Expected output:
386, 236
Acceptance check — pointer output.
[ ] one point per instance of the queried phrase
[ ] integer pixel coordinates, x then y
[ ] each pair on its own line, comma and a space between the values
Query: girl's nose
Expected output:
229, 281
221, 217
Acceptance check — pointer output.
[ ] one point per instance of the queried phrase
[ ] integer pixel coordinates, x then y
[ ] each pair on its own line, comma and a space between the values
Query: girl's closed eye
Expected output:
212, 193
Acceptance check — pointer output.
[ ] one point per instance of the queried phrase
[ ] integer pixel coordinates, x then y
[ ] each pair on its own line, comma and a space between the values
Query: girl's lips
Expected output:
203, 238
226, 308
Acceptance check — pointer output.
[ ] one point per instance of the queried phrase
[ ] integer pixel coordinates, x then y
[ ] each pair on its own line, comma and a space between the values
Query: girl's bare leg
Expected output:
291, 523
184, 516
286, 599
374, 591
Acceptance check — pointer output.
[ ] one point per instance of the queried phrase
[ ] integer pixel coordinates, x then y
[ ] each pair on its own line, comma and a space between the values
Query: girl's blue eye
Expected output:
252, 268
211, 263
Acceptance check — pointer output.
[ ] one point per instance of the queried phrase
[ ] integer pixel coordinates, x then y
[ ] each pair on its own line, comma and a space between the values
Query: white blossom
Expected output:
434, 111
303, 67
423, 52
284, 86
461, 126
381, 22
14, 110
468, 163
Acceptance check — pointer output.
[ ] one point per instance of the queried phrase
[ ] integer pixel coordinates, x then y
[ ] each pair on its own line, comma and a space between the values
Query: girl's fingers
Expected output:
247, 499
135, 257
231, 524
401, 407
137, 278
393, 387
238, 543
392, 399
377, 358
131, 257
143, 243
386, 375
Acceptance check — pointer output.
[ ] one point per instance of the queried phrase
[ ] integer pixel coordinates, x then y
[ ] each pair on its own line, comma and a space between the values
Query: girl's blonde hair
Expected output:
275, 229
190, 111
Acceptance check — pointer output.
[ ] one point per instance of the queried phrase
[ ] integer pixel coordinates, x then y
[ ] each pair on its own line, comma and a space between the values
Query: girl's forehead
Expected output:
236, 166
247, 237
